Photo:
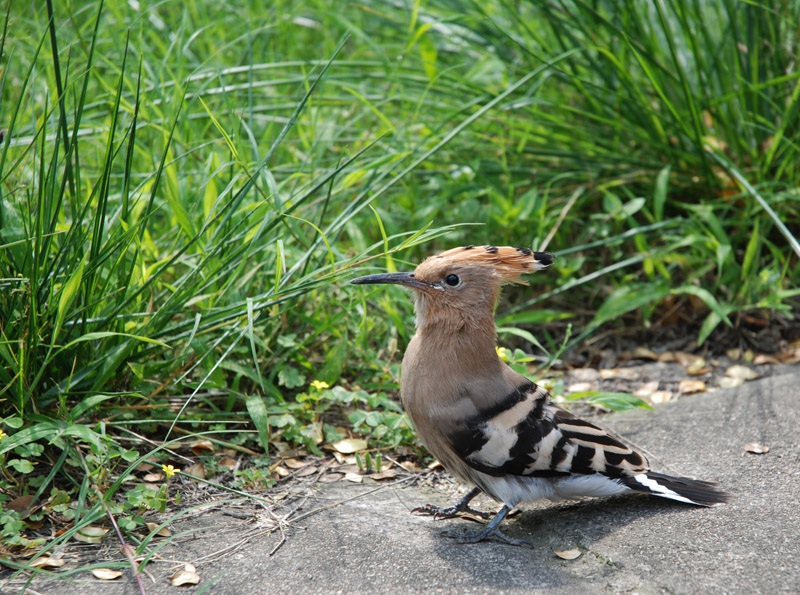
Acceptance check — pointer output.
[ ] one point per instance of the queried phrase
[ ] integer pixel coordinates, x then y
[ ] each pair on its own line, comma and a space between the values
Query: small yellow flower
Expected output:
2, 434
169, 470
503, 353
320, 385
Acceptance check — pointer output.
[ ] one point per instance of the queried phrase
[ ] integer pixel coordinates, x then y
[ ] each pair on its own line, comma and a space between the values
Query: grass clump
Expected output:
185, 188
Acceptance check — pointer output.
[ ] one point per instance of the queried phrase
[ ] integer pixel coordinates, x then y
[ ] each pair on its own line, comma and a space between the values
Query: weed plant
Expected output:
187, 187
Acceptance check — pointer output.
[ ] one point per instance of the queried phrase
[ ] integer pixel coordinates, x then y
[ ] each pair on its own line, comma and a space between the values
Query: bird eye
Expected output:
452, 280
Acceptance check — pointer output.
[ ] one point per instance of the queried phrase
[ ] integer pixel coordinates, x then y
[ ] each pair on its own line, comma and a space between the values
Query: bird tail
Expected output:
682, 489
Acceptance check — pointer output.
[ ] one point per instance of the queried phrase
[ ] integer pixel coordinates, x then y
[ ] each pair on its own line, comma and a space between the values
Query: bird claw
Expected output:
476, 536
449, 512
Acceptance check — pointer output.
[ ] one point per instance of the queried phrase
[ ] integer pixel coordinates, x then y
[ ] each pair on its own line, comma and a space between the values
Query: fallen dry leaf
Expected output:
90, 534
435, 465
660, 396
624, 373
282, 471
667, 356
47, 562
162, 532
688, 387
697, 367
647, 389
762, 359
309, 470
350, 445
734, 354
354, 477
790, 356
294, 463
153, 477
387, 474
728, 382
740, 371
568, 554
21, 504
757, 449
202, 447
748, 356
684, 358
409, 466
106, 574
228, 463
197, 471
187, 576
645, 353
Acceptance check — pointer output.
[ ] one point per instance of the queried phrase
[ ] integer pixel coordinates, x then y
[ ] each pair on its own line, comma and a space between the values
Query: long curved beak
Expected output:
406, 279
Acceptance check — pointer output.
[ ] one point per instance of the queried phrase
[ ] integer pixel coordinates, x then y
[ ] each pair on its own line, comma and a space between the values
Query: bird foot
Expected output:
450, 512
476, 536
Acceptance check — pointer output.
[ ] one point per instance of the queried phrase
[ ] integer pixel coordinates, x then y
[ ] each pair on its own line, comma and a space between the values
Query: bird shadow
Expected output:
550, 528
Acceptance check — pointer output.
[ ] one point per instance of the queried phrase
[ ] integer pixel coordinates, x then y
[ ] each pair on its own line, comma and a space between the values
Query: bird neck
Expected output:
470, 334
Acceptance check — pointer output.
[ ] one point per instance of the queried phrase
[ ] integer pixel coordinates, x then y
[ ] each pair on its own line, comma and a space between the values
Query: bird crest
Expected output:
507, 262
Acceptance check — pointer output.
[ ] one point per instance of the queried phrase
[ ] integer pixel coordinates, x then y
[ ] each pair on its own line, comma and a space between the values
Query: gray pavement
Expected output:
629, 544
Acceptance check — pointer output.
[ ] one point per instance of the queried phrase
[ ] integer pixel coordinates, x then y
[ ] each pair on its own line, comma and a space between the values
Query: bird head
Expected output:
464, 280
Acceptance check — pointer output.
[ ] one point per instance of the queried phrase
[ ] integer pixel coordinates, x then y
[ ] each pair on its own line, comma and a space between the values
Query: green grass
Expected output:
188, 186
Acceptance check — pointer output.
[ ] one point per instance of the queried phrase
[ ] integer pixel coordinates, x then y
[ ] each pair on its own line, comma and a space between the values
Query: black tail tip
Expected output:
546, 258
682, 489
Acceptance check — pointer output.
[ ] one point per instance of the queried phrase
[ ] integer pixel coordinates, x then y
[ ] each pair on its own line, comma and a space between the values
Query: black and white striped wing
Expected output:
526, 434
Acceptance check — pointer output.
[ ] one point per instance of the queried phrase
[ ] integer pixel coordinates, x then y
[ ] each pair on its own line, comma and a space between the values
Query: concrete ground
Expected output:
628, 544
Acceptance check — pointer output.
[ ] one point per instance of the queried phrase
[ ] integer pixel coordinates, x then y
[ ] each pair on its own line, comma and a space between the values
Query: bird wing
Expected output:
526, 434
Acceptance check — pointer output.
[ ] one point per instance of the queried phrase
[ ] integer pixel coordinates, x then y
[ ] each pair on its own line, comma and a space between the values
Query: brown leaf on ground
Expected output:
294, 463
743, 372
645, 353
688, 387
22, 504
623, 373
660, 396
187, 576
790, 356
757, 449
153, 477
47, 562
228, 463
196, 471
647, 389
568, 554
409, 466
162, 532
106, 574
354, 477
202, 447
386, 474
734, 353
667, 356
306, 471
698, 367
762, 359
350, 445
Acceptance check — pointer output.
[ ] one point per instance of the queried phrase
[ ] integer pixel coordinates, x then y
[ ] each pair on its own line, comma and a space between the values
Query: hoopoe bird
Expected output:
490, 426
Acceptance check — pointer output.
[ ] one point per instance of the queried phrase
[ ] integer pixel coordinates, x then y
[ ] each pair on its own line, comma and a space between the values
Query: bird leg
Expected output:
449, 512
490, 530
